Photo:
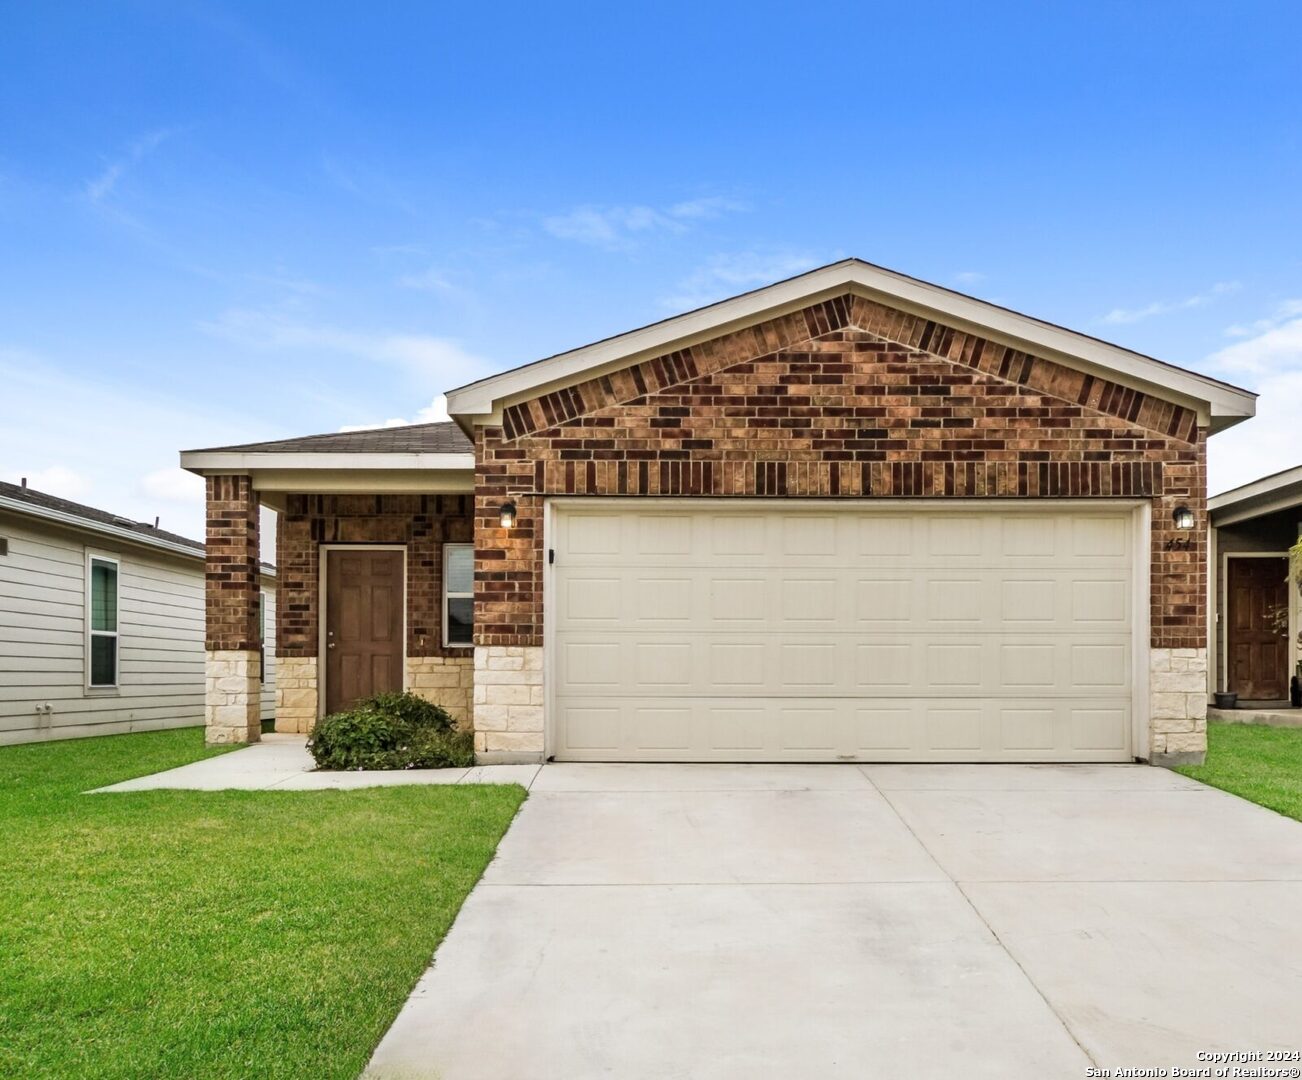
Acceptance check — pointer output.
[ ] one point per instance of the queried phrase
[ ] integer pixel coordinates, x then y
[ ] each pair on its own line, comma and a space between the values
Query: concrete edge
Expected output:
509, 757
1179, 757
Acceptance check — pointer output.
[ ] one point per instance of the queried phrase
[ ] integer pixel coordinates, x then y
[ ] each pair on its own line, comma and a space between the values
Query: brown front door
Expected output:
364, 605
1257, 632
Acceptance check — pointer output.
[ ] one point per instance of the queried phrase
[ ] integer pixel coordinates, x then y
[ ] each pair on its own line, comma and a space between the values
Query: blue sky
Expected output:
222, 222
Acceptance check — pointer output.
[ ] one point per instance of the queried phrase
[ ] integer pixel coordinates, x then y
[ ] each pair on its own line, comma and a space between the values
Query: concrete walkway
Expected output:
282, 762
843, 921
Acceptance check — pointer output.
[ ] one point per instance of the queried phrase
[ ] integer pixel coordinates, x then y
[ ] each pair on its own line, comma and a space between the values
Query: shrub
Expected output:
412, 711
391, 731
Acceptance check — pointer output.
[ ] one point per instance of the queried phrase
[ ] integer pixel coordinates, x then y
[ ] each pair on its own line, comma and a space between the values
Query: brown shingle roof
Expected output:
443, 438
40, 500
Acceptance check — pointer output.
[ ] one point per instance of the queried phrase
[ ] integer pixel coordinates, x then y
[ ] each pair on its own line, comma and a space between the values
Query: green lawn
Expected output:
1262, 764
217, 934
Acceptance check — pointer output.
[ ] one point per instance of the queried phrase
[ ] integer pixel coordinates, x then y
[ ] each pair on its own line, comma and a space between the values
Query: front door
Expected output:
364, 605
1257, 628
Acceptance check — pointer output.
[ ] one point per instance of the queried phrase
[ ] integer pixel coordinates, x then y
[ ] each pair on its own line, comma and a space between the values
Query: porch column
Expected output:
232, 684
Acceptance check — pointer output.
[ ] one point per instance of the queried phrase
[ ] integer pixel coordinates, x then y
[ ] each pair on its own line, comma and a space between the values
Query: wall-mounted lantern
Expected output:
507, 510
1183, 517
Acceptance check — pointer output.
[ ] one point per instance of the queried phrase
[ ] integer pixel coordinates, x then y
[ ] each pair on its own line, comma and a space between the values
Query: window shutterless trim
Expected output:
91, 633
449, 595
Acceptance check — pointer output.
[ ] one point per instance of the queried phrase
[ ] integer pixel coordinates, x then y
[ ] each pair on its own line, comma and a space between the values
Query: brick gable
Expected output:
843, 399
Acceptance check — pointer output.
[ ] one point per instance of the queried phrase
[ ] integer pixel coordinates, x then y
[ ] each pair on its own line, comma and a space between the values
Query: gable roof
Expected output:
1278, 491
1218, 404
440, 438
39, 504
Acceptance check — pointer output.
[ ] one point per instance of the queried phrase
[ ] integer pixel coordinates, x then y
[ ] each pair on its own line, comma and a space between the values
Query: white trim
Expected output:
242, 462
1141, 703
1222, 625
1218, 403
1213, 612
269, 483
1265, 486
446, 595
1141, 629
92, 557
323, 572
550, 719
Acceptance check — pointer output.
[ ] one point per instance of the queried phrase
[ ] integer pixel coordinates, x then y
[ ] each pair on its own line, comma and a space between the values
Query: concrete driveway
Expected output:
865, 921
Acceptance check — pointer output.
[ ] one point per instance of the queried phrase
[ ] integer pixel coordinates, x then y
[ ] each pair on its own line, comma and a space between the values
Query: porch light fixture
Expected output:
507, 511
1183, 517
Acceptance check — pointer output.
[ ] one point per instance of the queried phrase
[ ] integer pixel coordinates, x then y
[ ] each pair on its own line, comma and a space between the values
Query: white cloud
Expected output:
969, 277
52, 479
101, 186
1275, 350
96, 441
173, 485
436, 412
1270, 441
432, 280
1285, 310
1164, 307
428, 358
617, 227
725, 275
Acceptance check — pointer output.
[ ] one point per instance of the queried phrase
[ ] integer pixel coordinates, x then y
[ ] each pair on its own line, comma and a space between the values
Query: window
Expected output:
458, 594
102, 625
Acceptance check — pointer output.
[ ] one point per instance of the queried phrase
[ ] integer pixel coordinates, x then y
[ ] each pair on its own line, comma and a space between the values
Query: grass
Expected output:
217, 934
1261, 764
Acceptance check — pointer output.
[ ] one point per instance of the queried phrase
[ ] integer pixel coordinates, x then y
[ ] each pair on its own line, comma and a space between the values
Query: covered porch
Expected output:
374, 547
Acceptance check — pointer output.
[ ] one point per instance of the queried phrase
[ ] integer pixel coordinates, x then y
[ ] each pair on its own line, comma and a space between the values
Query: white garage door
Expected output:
725, 633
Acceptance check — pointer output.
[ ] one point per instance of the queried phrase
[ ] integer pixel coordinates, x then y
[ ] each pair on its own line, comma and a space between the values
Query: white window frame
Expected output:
449, 595
91, 633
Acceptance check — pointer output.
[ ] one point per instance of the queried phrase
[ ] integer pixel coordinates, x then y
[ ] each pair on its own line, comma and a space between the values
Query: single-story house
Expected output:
851, 516
102, 622
1255, 598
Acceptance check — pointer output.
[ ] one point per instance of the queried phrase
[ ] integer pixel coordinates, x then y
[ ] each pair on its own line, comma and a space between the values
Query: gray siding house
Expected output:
101, 622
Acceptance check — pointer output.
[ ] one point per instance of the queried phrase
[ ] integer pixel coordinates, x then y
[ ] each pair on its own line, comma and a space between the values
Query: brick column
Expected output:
232, 684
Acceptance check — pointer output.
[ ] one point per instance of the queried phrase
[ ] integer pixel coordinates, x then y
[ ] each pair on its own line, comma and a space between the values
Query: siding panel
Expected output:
42, 642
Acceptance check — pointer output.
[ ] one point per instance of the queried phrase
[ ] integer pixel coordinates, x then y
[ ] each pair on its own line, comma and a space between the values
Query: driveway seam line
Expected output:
984, 922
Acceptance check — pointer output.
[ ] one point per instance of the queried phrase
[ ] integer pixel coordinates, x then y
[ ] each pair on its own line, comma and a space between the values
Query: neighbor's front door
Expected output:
1257, 599
364, 605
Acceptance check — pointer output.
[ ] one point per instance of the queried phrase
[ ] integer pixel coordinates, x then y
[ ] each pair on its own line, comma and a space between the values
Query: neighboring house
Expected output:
848, 517
1254, 633
102, 622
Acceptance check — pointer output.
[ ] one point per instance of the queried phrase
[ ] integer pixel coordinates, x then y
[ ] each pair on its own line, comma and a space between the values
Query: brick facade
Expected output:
843, 399
232, 571
422, 523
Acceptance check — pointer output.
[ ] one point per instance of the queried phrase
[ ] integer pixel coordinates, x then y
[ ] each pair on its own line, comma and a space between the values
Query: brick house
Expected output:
848, 516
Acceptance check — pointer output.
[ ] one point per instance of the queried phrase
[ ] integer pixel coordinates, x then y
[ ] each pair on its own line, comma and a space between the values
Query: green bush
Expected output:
391, 731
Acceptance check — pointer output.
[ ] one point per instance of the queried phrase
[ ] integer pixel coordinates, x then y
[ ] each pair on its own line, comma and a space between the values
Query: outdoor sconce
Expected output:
508, 514
1184, 517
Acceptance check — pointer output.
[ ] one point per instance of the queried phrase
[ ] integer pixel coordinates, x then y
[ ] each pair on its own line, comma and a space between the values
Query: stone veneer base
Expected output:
296, 694
508, 703
445, 680
232, 699
1177, 717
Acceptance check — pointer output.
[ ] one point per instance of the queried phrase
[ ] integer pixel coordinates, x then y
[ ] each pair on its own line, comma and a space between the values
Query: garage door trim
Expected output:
1140, 509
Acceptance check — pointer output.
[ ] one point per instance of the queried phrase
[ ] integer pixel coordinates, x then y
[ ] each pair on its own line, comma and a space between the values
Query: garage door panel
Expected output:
839, 663
976, 729
757, 634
